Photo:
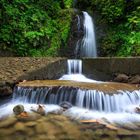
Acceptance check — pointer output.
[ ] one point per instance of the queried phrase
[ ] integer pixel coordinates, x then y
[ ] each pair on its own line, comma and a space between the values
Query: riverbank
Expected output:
15, 69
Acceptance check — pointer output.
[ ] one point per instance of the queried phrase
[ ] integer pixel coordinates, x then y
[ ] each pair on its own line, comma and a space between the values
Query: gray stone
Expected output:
65, 105
18, 109
121, 78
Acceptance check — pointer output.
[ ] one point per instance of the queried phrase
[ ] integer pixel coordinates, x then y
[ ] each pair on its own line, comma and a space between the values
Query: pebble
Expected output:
30, 124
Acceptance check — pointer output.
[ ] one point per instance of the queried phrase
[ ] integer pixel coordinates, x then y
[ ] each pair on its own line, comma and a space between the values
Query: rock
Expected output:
30, 131
19, 126
41, 128
23, 115
2, 83
134, 80
18, 109
6, 132
65, 105
137, 110
40, 110
8, 122
30, 124
111, 127
6, 90
121, 78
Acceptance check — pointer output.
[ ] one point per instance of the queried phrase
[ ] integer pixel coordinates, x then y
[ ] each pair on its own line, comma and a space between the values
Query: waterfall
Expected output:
74, 66
90, 99
87, 46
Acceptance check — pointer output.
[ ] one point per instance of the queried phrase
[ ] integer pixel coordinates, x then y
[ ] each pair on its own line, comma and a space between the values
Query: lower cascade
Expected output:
90, 99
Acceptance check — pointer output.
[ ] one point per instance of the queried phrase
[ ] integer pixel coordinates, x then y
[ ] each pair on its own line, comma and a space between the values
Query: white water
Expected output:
90, 99
87, 46
118, 117
7, 109
75, 72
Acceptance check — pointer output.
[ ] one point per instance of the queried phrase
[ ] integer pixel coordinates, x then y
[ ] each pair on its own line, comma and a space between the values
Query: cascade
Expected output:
87, 46
75, 72
91, 99
74, 66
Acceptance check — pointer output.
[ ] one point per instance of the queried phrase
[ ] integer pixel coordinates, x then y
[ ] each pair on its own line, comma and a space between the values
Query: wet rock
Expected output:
40, 110
6, 90
137, 110
65, 105
8, 122
23, 114
121, 78
19, 126
18, 109
135, 80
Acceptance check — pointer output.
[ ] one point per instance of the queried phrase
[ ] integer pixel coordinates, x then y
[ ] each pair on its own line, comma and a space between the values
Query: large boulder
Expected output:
121, 78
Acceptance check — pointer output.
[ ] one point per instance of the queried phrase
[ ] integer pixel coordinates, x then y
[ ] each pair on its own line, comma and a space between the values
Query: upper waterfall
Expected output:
87, 46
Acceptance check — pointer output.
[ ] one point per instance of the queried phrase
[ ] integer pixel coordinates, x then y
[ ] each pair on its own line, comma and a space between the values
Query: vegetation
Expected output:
34, 28
42, 27
122, 21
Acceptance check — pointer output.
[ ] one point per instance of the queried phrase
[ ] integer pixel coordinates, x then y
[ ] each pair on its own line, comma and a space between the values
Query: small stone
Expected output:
40, 110
8, 122
23, 115
19, 126
30, 124
18, 109
65, 105
137, 110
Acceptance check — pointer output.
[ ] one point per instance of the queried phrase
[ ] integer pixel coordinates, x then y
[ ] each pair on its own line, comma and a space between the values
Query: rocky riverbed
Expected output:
60, 127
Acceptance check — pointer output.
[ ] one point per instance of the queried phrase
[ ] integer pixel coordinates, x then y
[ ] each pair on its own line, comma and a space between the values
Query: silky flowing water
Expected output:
87, 46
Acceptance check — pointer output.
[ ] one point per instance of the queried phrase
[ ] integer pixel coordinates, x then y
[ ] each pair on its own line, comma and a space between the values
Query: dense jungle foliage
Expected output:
34, 27
42, 27
120, 20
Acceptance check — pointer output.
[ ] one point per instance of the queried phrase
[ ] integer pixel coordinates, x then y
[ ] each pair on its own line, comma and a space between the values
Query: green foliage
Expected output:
30, 27
122, 21
68, 3
110, 10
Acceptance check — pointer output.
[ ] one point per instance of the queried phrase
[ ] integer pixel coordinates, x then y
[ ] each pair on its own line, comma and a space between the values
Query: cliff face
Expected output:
76, 33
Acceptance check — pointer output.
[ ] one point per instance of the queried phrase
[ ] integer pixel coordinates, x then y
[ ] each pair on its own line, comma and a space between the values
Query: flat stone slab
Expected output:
108, 87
